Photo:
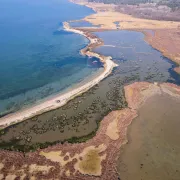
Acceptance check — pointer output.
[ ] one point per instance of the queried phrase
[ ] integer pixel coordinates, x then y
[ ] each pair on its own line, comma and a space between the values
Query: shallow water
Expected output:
82, 23
117, 23
137, 61
151, 32
154, 145
133, 54
38, 58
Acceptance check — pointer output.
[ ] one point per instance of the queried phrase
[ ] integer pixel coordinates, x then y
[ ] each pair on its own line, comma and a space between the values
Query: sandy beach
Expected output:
62, 99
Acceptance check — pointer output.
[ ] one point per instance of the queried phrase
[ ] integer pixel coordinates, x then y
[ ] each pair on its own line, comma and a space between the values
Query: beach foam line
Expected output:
60, 100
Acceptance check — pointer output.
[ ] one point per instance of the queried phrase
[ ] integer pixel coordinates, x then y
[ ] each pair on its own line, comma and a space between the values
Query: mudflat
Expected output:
96, 159
154, 145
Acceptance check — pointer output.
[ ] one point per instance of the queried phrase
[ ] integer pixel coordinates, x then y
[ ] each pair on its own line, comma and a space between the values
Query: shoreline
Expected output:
51, 103
60, 100
166, 32
67, 160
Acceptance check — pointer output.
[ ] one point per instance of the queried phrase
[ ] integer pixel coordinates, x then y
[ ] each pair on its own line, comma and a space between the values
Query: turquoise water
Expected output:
38, 58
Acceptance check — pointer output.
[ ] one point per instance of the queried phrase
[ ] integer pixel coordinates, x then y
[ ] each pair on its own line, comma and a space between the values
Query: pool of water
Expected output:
117, 23
82, 23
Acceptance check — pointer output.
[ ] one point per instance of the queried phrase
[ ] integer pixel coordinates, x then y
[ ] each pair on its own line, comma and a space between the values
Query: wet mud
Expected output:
153, 148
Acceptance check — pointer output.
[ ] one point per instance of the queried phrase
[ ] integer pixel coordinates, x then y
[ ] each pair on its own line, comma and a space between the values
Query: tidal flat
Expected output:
79, 119
153, 148
81, 23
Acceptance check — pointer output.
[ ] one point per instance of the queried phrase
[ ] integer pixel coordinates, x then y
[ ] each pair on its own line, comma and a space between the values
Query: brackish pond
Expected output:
79, 119
37, 57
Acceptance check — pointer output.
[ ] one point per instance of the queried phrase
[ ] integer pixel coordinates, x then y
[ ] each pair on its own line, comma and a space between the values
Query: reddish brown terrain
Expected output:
94, 159
168, 42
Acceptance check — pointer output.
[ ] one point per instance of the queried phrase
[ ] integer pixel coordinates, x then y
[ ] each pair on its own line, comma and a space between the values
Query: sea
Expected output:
37, 57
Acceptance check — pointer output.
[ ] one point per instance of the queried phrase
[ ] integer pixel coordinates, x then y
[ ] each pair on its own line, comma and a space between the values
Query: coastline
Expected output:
60, 100
51, 103
66, 160
166, 32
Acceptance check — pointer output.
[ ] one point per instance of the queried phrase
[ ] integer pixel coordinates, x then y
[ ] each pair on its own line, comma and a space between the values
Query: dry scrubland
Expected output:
149, 9
94, 159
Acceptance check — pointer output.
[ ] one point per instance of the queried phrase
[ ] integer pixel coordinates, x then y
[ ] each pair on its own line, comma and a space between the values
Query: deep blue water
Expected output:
37, 60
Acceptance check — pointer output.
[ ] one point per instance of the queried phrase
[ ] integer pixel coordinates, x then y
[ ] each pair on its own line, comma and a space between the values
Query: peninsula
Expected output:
60, 100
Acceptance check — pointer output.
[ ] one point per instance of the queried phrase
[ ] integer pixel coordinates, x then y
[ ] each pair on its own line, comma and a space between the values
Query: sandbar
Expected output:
60, 100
